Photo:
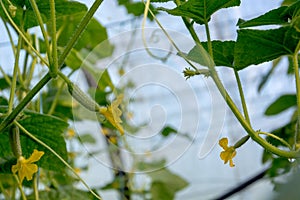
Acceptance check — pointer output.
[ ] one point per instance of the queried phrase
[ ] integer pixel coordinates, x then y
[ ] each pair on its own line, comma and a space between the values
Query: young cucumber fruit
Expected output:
83, 98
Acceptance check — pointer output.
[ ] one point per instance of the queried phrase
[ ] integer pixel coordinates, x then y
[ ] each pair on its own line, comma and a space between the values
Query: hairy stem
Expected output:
20, 187
297, 79
41, 24
21, 34
242, 96
54, 63
14, 79
10, 118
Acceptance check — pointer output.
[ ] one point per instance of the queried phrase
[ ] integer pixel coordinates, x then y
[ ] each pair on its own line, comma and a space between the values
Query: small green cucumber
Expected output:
83, 98
14, 139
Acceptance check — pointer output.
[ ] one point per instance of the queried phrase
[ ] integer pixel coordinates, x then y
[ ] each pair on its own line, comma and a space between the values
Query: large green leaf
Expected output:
165, 184
280, 16
272, 17
62, 7
222, 50
93, 35
48, 129
281, 104
258, 46
201, 10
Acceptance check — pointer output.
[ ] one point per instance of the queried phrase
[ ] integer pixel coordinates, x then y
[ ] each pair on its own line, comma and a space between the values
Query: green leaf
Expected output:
172, 180
87, 138
5, 167
62, 7
223, 52
161, 191
272, 17
165, 184
93, 35
281, 104
48, 129
288, 2
66, 192
196, 9
258, 46
105, 81
136, 8
266, 76
292, 11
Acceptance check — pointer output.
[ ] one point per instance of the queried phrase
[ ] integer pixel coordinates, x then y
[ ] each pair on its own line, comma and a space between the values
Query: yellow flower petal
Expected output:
35, 156
113, 114
229, 152
224, 143
25, 168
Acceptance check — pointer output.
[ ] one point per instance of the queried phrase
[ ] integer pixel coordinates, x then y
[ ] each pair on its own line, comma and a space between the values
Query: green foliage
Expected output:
270, 18
223, 53
46, 116
63, 8
282, 103
63, 192
165, 184
93, 35
201, 10
258, 46
136, 8
49, 130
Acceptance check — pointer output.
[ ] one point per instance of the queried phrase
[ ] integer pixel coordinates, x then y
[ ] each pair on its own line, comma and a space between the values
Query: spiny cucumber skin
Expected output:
83, 98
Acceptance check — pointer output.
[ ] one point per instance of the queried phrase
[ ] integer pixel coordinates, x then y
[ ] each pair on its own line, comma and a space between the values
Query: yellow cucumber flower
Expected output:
229, 152
113, 114
25, 167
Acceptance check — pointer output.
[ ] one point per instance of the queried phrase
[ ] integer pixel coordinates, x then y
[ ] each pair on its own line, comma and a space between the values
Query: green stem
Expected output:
54, 102
41, 24
54, 63
58, 156
297, 79
277, 138
172, 41
9, 36
7, 79
209, 44
5, 193
35, 187
189, 26
14, 79
20, 187
82, 26
242, 96
22, 34
10, 118
253, 134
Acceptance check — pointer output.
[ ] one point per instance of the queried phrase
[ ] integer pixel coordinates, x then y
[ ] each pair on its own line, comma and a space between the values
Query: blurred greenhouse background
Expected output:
161, 96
